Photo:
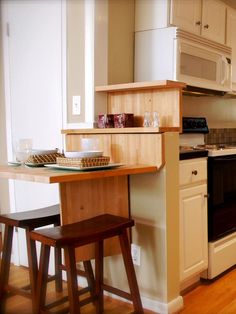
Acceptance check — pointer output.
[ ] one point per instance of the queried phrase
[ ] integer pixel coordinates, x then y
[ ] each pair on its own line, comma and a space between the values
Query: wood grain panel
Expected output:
73, 142
86, 199
129, 149
166, 102
137, 149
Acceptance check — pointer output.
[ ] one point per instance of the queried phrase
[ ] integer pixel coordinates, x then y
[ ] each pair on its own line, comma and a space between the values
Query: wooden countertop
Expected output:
46, 175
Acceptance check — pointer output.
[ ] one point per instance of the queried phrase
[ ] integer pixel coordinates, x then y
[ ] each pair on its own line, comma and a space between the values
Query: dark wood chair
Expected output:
28, 220
71, 236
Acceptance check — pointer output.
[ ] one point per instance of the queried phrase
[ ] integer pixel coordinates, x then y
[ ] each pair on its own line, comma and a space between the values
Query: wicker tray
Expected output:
83, 162
44, 158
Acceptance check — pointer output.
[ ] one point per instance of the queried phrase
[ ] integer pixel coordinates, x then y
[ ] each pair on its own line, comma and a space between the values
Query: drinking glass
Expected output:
155, 120
147, 119
22, 149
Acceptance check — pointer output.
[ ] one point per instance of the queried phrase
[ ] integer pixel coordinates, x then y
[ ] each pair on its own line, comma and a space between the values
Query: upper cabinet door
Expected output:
214, 20
186, 14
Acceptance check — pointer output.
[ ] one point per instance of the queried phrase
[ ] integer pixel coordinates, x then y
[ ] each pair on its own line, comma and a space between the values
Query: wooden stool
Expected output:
71, 236
28, 220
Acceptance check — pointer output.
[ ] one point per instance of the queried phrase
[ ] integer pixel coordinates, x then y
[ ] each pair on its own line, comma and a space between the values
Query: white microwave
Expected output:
173, 54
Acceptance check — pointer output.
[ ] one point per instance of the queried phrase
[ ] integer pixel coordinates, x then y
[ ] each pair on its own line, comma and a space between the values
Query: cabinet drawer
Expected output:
192, 170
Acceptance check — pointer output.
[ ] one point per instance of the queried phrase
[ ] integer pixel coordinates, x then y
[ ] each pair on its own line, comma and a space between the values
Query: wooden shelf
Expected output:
140, 86
165, 97
138, 130
136, 145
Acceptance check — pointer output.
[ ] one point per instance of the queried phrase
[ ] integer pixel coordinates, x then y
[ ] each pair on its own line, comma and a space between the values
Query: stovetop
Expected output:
212, 150
220, 149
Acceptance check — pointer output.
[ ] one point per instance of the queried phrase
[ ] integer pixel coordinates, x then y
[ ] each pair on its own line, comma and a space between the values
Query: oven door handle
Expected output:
225, 159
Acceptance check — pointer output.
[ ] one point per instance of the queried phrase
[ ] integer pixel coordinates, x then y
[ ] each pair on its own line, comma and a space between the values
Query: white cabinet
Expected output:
193, 217
231, 41
201, 17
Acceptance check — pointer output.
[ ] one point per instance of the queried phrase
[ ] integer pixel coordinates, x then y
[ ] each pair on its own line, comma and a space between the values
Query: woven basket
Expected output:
83, 162
45, 158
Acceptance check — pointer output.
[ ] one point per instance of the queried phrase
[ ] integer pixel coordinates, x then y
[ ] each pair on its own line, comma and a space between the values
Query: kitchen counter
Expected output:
46, 175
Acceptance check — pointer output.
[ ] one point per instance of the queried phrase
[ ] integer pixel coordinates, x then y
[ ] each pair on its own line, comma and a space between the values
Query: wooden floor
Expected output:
21, 305
214, 297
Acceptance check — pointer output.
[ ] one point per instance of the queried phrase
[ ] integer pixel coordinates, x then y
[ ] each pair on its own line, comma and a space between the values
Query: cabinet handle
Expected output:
206, 26
206, 195
194, 172
198, 23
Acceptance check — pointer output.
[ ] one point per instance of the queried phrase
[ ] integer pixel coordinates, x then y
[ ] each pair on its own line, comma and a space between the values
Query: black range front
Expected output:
222, 196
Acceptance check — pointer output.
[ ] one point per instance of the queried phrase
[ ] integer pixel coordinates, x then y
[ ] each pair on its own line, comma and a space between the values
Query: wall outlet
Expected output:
136, 252
76, 105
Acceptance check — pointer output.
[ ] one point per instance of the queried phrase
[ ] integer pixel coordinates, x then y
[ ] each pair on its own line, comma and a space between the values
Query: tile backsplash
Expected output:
221, 136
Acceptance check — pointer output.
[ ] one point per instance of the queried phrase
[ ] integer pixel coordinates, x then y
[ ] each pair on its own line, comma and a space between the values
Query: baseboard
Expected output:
163, 308
148, 304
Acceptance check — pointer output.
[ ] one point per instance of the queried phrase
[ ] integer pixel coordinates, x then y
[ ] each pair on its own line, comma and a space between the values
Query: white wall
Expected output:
219, 111
33, 88
4, 194
87, 49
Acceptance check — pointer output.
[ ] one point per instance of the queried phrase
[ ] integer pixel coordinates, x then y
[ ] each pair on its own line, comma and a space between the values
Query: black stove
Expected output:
194, 125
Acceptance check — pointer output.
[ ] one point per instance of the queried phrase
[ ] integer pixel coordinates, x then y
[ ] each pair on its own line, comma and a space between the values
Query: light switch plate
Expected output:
76, 105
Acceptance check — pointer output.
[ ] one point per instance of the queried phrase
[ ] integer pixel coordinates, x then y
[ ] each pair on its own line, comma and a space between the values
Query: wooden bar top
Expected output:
46, 175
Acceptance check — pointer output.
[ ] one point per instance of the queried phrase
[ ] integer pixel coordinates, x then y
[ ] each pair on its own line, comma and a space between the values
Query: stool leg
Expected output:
5, 265
41, 288
72, 285
58, 270
130, 271
99, 277
89, 276
33, 264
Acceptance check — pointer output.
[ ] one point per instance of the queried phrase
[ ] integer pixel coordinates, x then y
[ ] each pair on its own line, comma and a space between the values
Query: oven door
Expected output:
222, 196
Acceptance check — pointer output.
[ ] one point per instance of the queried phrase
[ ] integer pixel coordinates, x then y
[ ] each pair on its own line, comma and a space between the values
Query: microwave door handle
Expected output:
225, 70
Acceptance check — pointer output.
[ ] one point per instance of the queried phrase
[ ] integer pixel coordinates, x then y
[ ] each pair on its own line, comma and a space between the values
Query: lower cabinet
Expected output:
193, 218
